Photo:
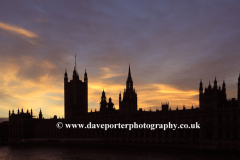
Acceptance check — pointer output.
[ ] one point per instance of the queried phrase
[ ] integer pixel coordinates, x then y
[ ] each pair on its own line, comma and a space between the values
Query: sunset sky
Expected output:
170, 46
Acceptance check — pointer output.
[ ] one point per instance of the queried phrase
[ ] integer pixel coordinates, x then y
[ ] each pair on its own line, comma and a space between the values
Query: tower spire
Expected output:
215, 83
75, 73
129, 82
85, 76
65, 74
75, 63
129, 71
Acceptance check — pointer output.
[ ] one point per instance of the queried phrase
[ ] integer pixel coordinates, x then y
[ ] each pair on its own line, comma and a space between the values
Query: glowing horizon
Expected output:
43, 93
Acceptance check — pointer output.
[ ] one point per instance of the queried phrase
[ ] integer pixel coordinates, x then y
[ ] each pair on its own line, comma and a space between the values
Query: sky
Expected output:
170, 46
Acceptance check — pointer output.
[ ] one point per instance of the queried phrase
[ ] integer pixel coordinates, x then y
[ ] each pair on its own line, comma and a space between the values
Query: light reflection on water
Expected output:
31, 152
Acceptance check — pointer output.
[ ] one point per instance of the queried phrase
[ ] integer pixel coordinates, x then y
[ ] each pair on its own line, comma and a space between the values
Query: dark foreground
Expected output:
88, 152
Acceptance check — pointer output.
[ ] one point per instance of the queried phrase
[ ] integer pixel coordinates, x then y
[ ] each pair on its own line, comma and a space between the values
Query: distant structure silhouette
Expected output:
218, 117
128, 105
75, 95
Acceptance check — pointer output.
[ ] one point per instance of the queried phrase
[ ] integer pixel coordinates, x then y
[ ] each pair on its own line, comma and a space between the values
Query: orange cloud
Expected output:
108, 73
156, 94
47, 92
150, 96
17, 30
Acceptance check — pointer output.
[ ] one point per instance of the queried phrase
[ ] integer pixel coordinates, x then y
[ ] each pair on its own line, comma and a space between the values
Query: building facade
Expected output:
218, 118
75, 95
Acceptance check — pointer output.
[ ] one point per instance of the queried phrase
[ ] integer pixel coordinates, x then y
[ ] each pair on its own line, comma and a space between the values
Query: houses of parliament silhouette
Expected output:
218, 117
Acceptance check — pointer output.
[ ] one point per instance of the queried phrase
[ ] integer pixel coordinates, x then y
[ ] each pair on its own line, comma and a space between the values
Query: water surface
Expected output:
62, 152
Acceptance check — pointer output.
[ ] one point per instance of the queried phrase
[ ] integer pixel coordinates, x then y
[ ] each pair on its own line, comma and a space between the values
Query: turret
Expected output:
200, 87
165, 107
215, 83
18, 110
103, 103
9, 113
65, 76
40, 114
224, 90
239, 90
224, 87
120, 98
85, 76
209, 86
239, 78
31, 111
103, 98
110, 104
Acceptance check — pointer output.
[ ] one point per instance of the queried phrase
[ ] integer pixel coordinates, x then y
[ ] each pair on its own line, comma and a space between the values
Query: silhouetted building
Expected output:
219, 119
20, 125
128, 104
104, 106
4, 131
75, 95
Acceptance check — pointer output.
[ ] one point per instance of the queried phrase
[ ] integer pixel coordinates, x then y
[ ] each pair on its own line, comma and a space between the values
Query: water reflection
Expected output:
63, 152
